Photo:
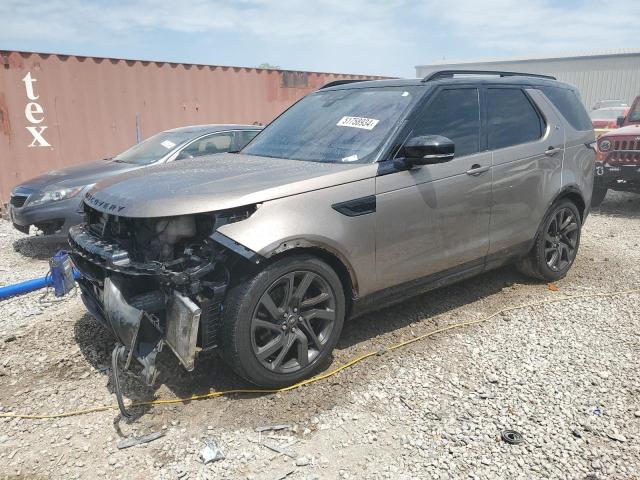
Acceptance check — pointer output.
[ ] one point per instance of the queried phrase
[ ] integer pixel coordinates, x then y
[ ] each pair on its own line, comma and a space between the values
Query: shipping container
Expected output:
59, 110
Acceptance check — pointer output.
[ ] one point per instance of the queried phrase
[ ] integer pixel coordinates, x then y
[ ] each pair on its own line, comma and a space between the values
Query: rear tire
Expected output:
556, 244
281, 324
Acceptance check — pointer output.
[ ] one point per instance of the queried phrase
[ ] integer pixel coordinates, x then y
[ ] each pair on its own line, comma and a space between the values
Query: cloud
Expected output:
531, 26
328, 21
376, 36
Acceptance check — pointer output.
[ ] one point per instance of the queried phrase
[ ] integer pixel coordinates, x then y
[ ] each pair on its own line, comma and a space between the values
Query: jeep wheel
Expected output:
599, 193
556, 244
281, 325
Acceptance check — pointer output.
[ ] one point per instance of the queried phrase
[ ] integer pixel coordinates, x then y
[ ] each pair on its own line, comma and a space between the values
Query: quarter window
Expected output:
243, 137
511, 118
570, 106
454, 114
218, 143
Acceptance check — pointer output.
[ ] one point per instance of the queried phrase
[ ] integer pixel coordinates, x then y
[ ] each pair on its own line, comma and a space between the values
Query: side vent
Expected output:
357, 207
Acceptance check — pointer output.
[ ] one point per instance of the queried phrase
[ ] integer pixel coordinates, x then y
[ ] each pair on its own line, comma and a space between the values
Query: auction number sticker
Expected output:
358, 122
168, 144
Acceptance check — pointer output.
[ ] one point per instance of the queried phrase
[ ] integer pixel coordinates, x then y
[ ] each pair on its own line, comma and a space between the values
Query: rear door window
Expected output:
511, 118
570, 106
455, 114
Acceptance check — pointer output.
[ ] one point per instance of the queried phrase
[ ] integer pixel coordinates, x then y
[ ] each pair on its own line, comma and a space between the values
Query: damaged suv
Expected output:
359, 195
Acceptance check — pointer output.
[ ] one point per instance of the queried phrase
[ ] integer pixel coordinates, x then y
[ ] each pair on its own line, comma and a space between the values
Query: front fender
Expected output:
309, 221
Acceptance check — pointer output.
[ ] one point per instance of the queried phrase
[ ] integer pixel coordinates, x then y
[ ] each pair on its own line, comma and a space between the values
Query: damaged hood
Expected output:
215, 183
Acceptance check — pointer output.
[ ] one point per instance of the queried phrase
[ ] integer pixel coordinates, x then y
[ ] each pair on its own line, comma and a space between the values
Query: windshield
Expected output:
154, 148
611, 114
611, 103
335, 126
634, 115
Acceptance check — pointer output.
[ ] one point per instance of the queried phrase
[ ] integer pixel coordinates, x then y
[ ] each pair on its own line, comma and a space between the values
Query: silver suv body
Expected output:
359, 195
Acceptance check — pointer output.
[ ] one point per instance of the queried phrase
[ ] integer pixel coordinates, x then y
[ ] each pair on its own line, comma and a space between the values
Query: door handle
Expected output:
477, 169
551, 151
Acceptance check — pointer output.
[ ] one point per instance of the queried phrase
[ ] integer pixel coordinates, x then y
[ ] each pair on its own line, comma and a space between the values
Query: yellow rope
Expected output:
322, 376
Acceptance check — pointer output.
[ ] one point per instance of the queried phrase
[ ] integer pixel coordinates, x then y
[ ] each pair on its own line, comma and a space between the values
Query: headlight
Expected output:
605, 146
53, 195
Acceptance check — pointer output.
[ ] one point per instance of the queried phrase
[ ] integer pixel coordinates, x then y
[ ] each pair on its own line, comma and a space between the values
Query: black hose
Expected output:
116, 356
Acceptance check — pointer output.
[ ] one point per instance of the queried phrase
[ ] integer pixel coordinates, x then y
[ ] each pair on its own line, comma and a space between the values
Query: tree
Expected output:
269, 66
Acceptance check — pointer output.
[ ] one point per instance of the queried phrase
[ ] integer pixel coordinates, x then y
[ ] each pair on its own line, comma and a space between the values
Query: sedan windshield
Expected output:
154, 148
335, 126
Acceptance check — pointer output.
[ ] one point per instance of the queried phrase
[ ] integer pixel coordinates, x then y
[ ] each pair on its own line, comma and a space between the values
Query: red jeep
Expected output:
618, 157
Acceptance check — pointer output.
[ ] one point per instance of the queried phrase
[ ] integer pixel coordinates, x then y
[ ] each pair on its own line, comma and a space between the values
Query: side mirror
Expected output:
428, 149
184, 156
620, 121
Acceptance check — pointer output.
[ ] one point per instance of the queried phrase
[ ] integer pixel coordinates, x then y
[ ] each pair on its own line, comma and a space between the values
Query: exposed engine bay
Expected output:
158, 281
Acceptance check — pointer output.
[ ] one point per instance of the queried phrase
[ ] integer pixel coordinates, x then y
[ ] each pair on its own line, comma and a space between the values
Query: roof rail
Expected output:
339, 82
440, 74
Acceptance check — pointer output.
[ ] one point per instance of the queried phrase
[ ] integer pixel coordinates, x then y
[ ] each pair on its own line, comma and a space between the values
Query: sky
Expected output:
348, 36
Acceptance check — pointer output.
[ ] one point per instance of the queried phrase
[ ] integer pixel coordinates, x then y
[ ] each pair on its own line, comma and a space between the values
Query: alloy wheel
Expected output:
292, 322
561, 239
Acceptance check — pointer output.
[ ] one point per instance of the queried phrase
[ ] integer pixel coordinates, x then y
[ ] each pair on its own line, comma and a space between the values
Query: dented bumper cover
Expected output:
146, 305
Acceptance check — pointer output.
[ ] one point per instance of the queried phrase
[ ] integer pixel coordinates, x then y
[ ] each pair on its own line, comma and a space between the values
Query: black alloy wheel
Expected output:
555, 245
561, 239
292, 321
282, 321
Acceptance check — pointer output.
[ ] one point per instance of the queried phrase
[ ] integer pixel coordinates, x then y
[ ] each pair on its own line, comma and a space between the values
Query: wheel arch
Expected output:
573, 193
331, 256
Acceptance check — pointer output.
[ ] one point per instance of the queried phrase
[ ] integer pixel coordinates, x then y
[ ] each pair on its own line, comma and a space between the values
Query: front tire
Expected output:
556, 244
281, 324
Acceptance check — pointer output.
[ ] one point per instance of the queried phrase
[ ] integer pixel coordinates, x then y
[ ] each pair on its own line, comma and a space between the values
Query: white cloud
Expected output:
532, 26
328, 21
377, 36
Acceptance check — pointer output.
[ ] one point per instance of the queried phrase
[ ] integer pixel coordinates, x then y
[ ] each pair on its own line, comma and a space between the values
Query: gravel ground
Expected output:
564, 375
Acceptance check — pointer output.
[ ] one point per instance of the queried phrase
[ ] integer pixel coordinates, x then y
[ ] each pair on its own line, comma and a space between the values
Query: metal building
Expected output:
598, 76
59, 110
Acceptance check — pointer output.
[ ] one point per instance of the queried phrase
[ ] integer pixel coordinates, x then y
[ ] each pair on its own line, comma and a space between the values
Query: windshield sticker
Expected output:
168, 144
350, 158
358, 122
405, 94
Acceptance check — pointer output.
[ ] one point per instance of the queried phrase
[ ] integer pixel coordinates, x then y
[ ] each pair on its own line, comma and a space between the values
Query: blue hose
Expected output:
30, 286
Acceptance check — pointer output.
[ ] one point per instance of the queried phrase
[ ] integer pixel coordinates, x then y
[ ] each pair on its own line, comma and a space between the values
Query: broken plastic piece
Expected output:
211, 451
273, 428
133, 441
277, 448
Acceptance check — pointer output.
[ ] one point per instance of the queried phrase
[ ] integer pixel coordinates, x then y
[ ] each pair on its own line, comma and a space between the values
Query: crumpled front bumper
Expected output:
144, 322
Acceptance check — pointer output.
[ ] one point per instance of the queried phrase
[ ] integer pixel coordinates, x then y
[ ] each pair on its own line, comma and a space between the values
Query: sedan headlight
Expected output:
53, 195
605, 146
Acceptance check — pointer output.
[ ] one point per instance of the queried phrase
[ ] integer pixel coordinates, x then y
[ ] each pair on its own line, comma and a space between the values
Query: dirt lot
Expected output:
564, 375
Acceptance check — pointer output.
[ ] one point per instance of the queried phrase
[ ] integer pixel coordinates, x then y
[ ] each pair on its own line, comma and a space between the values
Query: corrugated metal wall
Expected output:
58, 110
598, 77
